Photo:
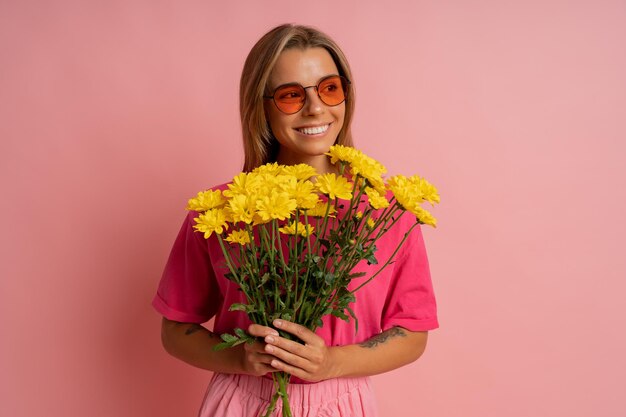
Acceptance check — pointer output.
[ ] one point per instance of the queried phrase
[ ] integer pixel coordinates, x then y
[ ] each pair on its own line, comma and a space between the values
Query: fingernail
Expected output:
278, 323
269, 339
274, 333
269, 349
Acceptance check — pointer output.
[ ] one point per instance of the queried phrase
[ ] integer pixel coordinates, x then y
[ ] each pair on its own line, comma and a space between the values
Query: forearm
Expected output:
194, 344
384, 352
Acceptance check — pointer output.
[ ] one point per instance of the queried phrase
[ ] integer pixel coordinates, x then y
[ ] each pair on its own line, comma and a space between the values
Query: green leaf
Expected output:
226, 337
341, 315
221, 346
241, 333
356, 321
329, 278
357, 275
264, 278
239, 307
371, 259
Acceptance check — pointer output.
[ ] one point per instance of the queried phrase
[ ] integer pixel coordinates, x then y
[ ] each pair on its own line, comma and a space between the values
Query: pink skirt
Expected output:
248, 396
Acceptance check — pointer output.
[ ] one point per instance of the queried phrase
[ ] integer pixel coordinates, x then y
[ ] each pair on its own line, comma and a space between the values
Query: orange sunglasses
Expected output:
290, 98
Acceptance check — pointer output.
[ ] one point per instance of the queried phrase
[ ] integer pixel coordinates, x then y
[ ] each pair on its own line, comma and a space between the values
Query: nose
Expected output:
312, 105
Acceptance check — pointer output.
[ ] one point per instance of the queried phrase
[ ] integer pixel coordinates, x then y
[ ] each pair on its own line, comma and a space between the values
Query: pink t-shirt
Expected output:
193, 288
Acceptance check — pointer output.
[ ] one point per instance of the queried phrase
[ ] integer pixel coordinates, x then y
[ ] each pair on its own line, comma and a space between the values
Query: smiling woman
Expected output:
306, 134
269, 66
296, 101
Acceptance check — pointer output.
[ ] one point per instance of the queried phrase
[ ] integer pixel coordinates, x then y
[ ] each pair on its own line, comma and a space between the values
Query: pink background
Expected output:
113, 113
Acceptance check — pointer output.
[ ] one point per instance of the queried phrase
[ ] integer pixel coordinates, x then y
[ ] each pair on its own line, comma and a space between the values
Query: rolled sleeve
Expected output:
188, 291
410, 302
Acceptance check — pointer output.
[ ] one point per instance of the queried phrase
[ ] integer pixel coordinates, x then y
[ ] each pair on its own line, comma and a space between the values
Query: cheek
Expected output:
341, 115
280, 125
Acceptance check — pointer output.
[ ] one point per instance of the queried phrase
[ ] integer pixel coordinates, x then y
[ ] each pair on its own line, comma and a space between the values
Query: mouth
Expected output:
313, 130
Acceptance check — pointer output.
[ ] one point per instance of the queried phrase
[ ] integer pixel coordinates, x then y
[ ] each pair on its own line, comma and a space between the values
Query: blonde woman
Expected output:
296, 100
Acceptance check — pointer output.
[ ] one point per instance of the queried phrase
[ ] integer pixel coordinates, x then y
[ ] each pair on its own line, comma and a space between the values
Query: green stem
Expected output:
283, 381
406, 235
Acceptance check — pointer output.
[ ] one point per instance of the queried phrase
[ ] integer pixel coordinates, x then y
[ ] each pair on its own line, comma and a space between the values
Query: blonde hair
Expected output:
259, 144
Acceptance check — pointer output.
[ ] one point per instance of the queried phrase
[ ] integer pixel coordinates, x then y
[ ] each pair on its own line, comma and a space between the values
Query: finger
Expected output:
261, 331
292, 370
262, 369
265, 359
288, 357
304, 334
288, 345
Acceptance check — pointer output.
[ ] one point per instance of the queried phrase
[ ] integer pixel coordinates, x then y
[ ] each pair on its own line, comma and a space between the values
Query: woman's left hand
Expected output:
312, 361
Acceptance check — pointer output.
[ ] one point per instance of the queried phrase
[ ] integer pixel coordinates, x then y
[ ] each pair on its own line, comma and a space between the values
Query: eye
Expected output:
289, 93
330, 86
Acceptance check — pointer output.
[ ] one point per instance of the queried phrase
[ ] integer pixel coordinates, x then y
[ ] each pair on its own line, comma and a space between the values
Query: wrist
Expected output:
337, 361
240, 361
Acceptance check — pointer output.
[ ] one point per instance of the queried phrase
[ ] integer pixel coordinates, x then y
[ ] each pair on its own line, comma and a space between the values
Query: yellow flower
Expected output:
377, 201
410, 193
370, 223
286, 183
213, 220
238, 236
320, 210
359, 215
370, 169
276, 205
424, 217
334, 186
305, 195
342, 153
300, 171
244, 183
303, 230
206, 200
271, 168
241, 208
429, 192
407, 195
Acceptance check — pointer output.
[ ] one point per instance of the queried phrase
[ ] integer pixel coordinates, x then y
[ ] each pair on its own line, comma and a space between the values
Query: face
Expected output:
305, 136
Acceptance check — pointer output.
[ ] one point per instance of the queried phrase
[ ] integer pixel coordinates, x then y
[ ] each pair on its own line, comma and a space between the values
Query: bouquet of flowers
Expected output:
291, 238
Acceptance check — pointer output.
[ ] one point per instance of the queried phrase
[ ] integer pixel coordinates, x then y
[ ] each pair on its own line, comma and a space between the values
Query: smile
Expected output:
313, 130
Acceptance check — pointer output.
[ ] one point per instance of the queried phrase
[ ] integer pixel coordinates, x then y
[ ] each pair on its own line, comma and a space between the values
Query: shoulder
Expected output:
220, 187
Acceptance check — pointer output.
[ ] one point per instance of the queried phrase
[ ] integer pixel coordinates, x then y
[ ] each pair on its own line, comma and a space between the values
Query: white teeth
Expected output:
313, 130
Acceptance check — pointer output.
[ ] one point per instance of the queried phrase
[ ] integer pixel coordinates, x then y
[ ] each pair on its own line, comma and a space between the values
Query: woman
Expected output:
296, 100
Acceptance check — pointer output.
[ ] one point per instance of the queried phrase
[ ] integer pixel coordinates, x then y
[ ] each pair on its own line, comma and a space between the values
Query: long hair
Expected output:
259, 144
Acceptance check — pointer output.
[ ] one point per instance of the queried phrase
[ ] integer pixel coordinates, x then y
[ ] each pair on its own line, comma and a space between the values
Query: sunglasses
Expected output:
290, 98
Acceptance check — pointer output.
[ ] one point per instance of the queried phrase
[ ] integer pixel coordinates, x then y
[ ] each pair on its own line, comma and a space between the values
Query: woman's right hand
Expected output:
256, 361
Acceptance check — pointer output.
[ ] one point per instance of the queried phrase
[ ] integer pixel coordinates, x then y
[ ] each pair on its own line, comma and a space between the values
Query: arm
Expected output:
314, 361
193, 344
384, 352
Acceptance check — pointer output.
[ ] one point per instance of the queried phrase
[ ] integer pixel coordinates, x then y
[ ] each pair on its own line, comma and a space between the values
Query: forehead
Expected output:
304, 66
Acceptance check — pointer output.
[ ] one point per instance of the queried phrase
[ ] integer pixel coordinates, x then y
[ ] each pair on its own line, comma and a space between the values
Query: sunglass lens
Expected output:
332, 91
289, 98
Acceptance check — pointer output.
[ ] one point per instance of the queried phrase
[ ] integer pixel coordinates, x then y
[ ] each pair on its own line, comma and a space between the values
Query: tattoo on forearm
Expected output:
193, 328
383, 337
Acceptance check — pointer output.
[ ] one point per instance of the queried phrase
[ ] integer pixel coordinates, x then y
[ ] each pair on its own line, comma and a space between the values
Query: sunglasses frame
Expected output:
344, 81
